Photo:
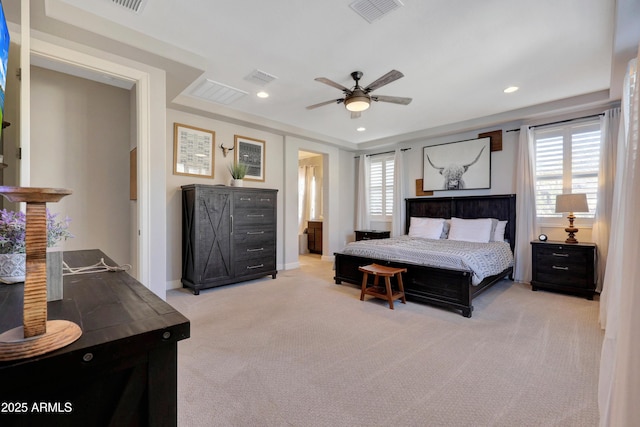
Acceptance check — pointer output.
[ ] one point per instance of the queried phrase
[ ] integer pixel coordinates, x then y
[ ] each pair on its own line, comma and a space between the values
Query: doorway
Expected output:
310, 203
149, 119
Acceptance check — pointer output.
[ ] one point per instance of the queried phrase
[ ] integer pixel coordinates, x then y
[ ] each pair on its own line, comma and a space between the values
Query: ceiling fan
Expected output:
358, 99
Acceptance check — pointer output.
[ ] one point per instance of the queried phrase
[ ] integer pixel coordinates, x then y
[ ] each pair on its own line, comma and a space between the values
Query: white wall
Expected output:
80, 140
224, 134
502, 165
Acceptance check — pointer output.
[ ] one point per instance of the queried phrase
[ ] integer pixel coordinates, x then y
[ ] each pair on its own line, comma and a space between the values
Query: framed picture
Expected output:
193, 152
250, 152
461, 165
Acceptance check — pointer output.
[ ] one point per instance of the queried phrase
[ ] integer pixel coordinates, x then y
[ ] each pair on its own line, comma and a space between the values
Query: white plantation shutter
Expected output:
381, 187
585, 164
567, 160
375, 188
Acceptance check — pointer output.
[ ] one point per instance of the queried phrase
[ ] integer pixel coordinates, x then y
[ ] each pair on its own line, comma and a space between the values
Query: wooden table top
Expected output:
117, 314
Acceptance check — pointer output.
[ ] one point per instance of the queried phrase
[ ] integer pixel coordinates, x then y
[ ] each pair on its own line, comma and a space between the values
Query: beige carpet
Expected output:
302, 351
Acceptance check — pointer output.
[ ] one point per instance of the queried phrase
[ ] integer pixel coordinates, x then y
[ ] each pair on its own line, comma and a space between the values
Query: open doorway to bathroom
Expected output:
310, 204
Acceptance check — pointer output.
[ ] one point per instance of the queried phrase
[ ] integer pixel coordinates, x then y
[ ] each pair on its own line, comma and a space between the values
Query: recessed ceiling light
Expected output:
511, 89
262, 94
361, 129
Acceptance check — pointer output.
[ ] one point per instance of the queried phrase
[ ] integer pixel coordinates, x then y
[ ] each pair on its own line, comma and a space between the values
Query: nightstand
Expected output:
372, 234
566, 267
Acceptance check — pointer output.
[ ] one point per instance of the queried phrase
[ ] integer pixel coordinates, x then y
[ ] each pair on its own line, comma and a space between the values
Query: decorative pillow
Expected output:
498, 232
445, 228
471, 230
427, 228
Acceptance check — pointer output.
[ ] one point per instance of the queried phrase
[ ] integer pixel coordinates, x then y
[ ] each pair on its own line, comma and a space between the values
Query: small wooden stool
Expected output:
379, 291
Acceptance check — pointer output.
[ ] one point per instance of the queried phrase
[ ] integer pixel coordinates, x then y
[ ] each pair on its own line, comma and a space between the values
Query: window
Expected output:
381, 187
567, 161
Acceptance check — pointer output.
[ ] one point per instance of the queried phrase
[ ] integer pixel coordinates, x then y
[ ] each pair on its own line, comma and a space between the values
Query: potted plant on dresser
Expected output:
237, 171
12, 243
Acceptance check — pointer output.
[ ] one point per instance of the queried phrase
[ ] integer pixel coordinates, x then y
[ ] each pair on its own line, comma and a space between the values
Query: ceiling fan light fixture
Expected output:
358, 101
356, 105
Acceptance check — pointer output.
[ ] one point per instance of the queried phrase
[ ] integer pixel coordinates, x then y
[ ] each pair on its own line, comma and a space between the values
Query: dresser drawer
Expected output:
259, 265
253, 234
562, 274
563, 251
254, 200
254, 246
253, 217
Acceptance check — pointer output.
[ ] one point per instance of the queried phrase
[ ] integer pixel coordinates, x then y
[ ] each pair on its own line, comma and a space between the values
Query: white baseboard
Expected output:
174, 284
292, 265
328, 258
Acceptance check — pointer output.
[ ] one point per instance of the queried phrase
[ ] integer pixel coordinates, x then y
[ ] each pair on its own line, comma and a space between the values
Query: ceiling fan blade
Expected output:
392, 99
355, 114
391, 76
333, 101
331, 83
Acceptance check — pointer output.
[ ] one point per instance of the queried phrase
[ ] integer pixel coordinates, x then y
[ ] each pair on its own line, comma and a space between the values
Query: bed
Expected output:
452, 287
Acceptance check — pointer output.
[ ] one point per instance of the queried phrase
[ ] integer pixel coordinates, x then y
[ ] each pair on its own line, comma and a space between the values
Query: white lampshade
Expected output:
572, 203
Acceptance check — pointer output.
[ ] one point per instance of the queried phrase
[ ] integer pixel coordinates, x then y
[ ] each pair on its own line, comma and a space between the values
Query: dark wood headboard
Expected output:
502, 207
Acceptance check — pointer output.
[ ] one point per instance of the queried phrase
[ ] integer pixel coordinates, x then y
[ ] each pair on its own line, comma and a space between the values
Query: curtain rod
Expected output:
559, 122
386, 152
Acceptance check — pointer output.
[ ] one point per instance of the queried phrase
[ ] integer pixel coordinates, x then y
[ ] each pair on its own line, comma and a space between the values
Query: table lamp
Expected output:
571, 203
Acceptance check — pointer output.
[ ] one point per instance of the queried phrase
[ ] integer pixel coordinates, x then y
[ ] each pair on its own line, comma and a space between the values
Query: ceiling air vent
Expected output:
260, 77
133, 5
374, 9
217, 92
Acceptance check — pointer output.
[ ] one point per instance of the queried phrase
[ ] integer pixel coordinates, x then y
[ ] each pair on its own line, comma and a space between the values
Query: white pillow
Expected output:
427, 228
471, 230
498, 233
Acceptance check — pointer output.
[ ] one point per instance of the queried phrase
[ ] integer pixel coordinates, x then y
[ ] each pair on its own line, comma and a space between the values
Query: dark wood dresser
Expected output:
121, 371
564, 267
314, 233
228, 235
372, 234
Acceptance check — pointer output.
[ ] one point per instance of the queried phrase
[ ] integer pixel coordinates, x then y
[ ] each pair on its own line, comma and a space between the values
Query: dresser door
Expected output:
213, 254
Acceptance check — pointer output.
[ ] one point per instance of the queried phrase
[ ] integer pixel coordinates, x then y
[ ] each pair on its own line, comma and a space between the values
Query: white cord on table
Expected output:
98, 267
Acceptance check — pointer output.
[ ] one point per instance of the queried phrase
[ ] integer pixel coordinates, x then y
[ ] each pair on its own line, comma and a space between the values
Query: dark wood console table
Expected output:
121, 371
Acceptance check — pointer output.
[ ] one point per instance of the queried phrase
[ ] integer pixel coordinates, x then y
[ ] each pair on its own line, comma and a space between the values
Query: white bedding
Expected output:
481, 259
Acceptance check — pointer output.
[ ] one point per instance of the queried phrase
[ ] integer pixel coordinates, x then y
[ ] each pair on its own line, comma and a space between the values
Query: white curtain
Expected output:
362, 208
305, 181
609, 125
527, 227
397, 225
619, 382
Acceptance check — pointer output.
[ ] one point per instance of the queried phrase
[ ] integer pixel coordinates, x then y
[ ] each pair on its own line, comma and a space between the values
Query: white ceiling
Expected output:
457, 57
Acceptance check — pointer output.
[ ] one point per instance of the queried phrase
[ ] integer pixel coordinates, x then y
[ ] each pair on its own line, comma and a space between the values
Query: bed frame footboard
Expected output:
447, 288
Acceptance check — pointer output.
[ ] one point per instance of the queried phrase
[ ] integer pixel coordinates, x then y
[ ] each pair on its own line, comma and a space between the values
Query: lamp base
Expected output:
59, 333
572, 238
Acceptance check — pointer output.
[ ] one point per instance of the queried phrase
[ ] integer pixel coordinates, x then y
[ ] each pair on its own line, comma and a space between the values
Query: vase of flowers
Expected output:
12, 242
237, 171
